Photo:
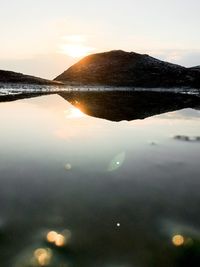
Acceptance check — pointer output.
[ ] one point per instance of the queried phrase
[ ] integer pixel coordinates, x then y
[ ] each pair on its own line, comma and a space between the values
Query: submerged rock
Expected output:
187, 138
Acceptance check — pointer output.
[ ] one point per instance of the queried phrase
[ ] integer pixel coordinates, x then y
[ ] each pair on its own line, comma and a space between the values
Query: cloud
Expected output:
187, 58
184, 53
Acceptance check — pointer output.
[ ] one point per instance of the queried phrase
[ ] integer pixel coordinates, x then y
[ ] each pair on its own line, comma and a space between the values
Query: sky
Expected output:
45, 37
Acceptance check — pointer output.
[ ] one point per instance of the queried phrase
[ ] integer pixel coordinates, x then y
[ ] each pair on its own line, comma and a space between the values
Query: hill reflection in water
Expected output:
118, 105
80, 191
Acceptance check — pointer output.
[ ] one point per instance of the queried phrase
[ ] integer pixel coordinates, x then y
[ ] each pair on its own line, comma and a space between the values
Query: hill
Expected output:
15, 77
120, 68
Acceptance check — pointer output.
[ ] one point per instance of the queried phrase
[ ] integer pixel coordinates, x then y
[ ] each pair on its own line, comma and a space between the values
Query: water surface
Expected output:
111, 194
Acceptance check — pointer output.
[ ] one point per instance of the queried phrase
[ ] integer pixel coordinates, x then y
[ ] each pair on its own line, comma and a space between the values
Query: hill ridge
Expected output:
121, 68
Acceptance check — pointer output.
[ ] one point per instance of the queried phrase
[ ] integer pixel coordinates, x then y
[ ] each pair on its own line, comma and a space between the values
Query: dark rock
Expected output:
119, 68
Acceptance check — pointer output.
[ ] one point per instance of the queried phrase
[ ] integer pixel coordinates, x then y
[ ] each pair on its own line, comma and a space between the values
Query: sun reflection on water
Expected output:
74, 113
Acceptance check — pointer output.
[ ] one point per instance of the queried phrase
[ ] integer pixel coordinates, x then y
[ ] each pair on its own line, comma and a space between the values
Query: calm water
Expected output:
82, 191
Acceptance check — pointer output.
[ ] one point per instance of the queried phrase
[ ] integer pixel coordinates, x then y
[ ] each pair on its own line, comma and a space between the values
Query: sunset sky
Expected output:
44, 37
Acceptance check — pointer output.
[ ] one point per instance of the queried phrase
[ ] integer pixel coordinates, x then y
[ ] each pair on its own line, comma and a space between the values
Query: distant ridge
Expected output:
15, 77
120, 68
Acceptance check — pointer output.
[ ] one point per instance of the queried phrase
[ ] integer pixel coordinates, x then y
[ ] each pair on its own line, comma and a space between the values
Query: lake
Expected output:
78, 190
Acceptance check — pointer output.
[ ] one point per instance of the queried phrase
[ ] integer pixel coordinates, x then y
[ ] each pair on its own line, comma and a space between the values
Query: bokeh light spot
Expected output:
178, 240
68, 166
43, 256
60, 240
51, 236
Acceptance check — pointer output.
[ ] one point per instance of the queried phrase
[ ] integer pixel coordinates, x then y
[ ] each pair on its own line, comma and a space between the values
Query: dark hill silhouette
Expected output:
120, 68
15, 77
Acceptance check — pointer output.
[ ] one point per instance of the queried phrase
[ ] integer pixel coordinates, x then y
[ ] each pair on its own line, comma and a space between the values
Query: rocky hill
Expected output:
14, 77
120, 68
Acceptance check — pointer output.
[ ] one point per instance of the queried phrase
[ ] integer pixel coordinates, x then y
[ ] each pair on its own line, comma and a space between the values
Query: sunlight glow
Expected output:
74, 38
75, 50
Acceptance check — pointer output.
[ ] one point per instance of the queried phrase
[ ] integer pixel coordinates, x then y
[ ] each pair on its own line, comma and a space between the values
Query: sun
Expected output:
76, 50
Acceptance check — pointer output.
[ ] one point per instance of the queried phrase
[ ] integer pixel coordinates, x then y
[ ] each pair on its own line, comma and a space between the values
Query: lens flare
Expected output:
116, 162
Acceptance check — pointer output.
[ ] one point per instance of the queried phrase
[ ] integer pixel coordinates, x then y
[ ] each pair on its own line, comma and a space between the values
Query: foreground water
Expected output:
82, 191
